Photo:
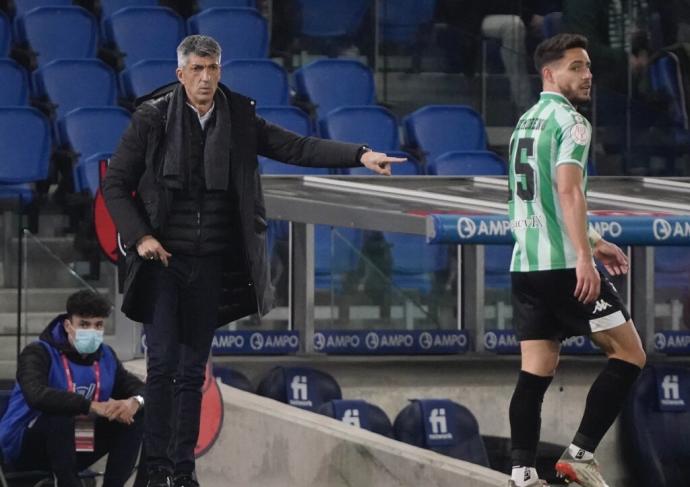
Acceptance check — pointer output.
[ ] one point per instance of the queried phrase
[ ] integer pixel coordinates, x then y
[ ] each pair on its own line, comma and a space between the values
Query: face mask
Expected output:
87, 341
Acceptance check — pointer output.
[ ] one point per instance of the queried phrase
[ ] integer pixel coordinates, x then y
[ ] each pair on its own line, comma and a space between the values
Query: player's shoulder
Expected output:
567, 115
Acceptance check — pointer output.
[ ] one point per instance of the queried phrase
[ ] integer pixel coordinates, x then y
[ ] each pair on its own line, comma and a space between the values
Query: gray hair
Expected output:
203, 46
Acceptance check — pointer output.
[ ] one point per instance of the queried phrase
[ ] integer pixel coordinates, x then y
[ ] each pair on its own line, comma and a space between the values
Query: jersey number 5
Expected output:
524, 185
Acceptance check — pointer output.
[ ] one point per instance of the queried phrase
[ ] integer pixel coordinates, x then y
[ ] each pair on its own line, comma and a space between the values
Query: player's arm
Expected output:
574, 210
609, 254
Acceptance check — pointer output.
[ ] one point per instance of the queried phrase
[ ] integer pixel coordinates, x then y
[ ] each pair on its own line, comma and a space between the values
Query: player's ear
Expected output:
547, 74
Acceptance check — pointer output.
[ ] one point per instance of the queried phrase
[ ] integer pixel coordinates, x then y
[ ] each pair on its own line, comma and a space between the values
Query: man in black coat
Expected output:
198, 222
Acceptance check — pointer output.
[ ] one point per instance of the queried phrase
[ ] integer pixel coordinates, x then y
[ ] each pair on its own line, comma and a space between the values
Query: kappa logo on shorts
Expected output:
601, 305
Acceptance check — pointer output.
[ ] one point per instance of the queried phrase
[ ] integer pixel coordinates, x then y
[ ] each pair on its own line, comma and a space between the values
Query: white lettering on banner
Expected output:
578, 341
608, 229
678, 341
450, 340
660, 341
671, 391
281, 341
601, 305
351, 417
319, 341
490, 340
299, 388
466, 227
426, 341
661, 229
439, 425
342, 341
681, 229
508, 340
372, 340
228, 341
398, 340
256, 341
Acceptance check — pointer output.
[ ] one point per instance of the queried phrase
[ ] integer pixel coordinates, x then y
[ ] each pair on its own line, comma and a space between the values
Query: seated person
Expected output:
73, 401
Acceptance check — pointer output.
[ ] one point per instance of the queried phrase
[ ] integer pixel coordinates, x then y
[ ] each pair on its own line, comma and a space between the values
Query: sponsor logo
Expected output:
256, 341
319, 341
580, 454
671, 391
534, 221
608, 229
426, 341
466, 227
351, 417
659, 341
372, 340
299, 391
228, 341
601, 305
490, 340
439, 425
662, 229
86, 391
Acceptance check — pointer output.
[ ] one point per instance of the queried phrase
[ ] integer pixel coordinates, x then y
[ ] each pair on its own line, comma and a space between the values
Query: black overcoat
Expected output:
138, 200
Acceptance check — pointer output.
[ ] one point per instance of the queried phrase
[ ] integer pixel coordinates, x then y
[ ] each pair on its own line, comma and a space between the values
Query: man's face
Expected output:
200, 78
75, 322
572, 75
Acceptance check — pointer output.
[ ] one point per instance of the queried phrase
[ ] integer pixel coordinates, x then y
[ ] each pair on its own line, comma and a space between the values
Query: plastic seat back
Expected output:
467, 163
66, 32
15, 84
91, 130
74, 83
241, 32
147, 75
5, 35
372, 125
443, 426
415, 261
331, 18
552, 25
333, 83
205, 4
360, 414
672, 268
145, 33
401, 19
232, 377
290, 118
109, 7
263, 80
303, 387
23, 6
24, 145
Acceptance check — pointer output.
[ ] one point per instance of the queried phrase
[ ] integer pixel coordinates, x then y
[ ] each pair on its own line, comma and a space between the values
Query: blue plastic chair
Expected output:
443, 426
467, 163
23, 6
672, 268
436, 129
24, 145
336, 254
109, 7
241, 32
261, 79
655, 426
145, 33
333, 83
290, 118
361, 414
415, 261
369, 124
15, 84
497, 266
401, 20
331, 18
74, 83
5, 35
90, 130
87, 172
206, 4
303, 387
145, 76
66, 32
664, 79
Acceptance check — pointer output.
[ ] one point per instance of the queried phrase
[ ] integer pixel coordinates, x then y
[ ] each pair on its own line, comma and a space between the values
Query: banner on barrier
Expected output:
391, 342
506, 341
672, 342
255, 342
620, 229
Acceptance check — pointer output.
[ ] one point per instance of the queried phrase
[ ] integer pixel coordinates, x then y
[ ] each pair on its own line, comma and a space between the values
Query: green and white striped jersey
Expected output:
550, 133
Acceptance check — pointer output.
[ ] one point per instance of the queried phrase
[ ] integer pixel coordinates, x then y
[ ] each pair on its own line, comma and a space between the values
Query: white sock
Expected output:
523, 475
579, 453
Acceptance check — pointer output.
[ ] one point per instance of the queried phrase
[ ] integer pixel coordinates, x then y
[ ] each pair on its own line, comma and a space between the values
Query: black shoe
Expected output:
185, 480
159, 478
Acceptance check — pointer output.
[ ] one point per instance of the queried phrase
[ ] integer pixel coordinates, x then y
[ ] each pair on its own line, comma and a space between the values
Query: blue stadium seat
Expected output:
436, 129
401, 20
333, 83
5, 35
360, 414
261, 79
241, 32
15, 84
672, 268
415, 261
23, 6
443, 426
87, 172
331, 18
497, 266
553, 24
232, 377
92, 130
269, 166
66, 32
655, 427
206, 4
290, 118
74, 83
303, 387
109, 7
24, 145
145, 33
145, 76
369, 124
467, 163
663, 76
408, 168
336, 253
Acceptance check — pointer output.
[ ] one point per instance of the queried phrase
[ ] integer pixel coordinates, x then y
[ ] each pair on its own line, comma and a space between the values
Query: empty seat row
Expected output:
138, 32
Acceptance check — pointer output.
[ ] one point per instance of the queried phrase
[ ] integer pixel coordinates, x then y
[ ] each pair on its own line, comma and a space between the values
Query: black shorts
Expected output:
544, 307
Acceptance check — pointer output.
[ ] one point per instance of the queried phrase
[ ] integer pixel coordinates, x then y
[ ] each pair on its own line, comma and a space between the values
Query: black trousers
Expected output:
49, 445
178, 343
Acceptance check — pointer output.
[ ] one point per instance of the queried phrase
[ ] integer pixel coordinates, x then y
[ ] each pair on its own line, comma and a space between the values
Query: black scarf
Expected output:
216, 149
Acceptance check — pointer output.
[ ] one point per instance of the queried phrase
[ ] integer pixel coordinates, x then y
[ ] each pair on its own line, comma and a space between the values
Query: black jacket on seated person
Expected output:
137, 167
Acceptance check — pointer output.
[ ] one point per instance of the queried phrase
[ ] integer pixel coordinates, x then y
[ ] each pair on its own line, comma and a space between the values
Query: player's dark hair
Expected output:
553, 48
88, 304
